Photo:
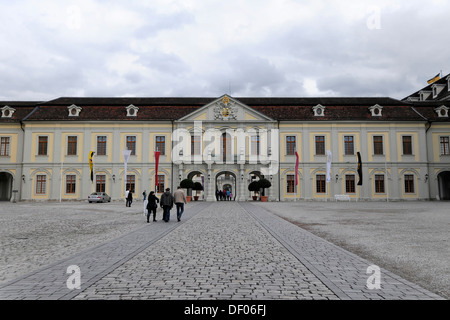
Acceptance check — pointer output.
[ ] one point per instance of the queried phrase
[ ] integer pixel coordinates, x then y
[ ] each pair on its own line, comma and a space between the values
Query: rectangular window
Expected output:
407, 145
71, 183
100, 183
290, 145
255, 145
378, 145
195, 145
160, 187
350, 183
4, 146
131, 144
72, 146
444, 145
349, 147
41, 181
320, 183
379, 183
409, 183
161, 144
42, 145
131, 182
290, 178
320, 145
101, 145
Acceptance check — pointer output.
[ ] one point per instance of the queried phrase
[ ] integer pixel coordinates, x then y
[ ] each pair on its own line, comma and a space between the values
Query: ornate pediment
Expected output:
226, 109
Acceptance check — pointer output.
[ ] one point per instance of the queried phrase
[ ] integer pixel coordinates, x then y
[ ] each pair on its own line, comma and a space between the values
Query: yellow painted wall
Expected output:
13, 145
80, 142
312, 143
284, 173
386, 144
387, 183
436, 146
415, 145
35, 142
123, 145
35, 173
342, 174
313, 173
298, 141
356, 143
109, 145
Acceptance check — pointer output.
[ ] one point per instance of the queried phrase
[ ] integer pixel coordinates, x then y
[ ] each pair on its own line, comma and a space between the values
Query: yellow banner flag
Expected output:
434, 79
91, 165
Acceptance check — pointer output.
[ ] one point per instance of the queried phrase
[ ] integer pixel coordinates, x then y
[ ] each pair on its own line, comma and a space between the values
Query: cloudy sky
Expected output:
205, 48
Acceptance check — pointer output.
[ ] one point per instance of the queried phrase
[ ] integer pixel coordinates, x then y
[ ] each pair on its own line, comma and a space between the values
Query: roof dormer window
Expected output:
132, 111
376, 110
74, 111
319, 110
437, 88
424, 95
7, 112
442, 111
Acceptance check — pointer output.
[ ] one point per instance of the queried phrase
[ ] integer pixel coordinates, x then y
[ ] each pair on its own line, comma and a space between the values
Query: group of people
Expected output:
166, 202
222, 195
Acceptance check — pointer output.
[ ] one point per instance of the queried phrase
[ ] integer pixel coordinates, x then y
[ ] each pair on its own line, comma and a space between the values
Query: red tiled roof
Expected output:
158, 109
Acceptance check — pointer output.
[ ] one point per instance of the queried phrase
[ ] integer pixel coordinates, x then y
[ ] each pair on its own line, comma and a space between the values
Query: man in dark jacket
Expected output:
152, 205
167, 204
129, 199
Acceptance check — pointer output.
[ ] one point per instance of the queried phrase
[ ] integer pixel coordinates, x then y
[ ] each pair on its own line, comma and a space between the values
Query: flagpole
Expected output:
387, 179
61, 186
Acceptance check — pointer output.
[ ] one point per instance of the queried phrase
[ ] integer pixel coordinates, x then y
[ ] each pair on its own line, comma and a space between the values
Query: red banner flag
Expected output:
157, 153
296, 168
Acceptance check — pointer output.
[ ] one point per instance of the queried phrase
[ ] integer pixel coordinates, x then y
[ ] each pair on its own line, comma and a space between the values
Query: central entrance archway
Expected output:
226, 181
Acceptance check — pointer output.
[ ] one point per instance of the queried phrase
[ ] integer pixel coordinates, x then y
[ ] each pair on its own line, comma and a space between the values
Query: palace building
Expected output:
227, 142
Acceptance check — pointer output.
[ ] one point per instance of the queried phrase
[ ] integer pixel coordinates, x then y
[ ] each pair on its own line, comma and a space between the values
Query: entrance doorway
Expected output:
6, 182
226, 181
444, 185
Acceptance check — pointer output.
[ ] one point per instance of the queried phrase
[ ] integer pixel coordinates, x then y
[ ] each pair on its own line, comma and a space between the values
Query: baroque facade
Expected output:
227, 142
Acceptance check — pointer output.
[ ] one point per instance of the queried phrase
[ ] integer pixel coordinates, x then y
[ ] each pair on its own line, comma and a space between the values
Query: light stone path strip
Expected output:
221, 250
220, 253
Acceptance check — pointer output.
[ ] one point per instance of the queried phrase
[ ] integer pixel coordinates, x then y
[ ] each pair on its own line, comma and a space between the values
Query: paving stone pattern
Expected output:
221, 250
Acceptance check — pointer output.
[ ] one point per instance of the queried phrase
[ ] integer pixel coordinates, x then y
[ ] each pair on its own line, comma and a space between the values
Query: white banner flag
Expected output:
126, 155
328, 166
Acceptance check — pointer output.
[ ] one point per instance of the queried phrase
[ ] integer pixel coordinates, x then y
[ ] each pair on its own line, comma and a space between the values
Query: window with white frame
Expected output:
409, 183
41, 184
4, 146
444, 145
349, 146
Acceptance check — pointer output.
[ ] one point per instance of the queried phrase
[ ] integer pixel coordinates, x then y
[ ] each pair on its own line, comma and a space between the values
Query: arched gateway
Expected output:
444, 185
225, 141
6, 182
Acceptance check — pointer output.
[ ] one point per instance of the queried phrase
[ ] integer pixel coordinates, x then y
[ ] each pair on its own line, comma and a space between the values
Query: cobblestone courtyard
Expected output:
225, 250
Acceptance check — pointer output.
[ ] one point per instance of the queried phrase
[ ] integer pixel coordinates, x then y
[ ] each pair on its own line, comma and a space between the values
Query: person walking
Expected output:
126, 197
166, 204
144, 194
152, 205
129, 199
180, 200
228, 195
